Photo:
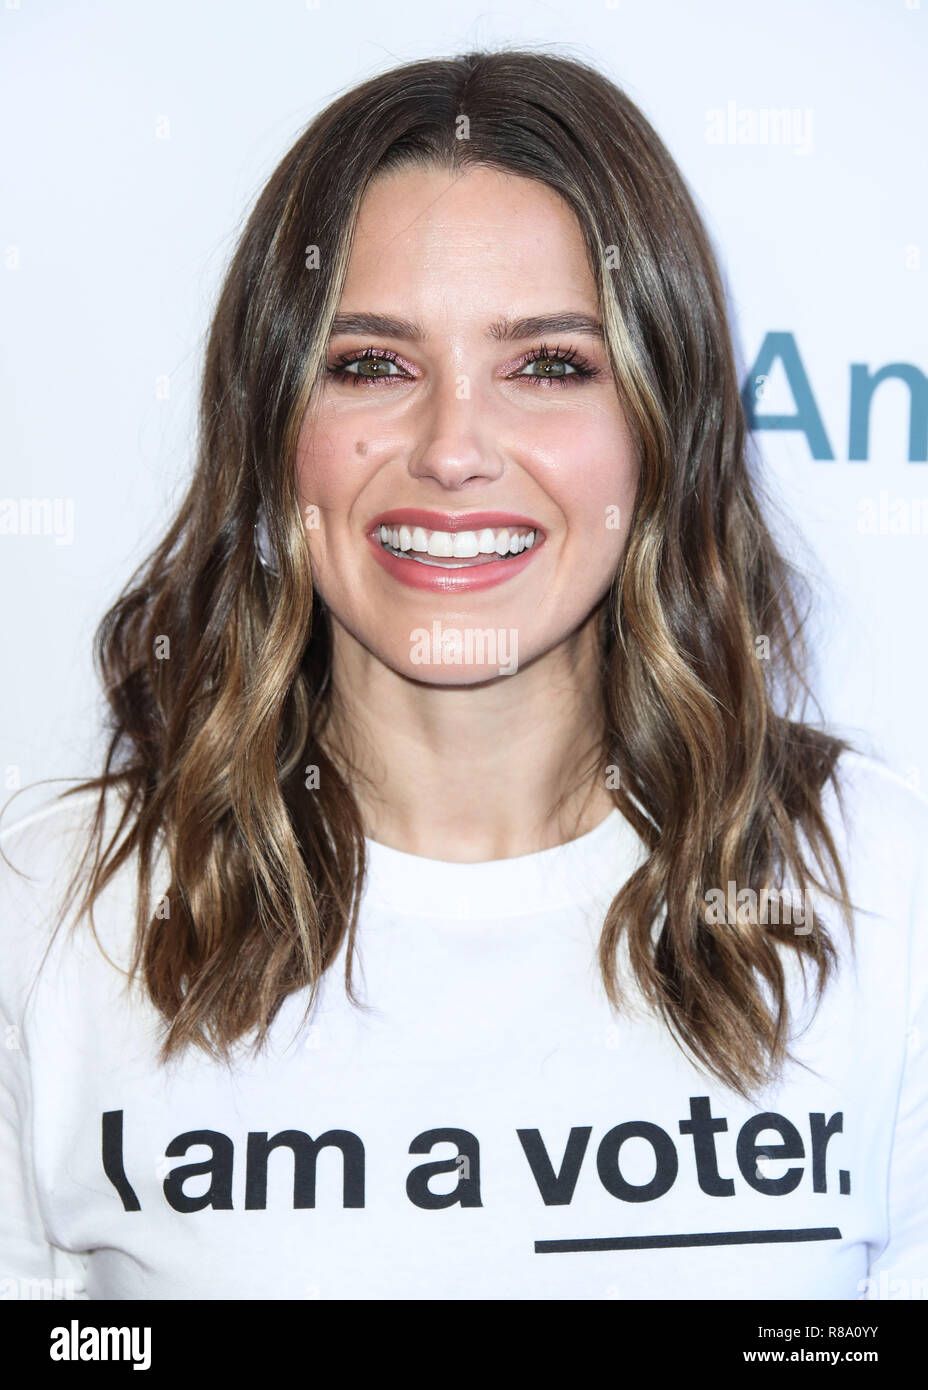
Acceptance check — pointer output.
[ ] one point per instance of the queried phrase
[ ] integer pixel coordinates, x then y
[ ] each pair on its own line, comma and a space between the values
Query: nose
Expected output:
452, 438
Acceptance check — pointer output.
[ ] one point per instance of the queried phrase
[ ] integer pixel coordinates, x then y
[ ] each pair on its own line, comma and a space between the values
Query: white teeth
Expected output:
441, 543
465, 544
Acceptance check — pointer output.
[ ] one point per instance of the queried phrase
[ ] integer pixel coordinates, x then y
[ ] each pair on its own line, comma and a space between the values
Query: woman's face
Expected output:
465, 430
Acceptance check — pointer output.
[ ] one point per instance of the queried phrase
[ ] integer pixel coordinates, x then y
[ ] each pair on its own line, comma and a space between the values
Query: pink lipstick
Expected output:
453, 552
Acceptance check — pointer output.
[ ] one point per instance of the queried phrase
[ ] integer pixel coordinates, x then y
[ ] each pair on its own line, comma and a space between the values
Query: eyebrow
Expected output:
502, 330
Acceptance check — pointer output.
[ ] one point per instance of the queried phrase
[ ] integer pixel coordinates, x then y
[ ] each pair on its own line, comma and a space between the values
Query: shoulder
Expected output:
40, 851
880, 822
880, 826
39, 835
39, 856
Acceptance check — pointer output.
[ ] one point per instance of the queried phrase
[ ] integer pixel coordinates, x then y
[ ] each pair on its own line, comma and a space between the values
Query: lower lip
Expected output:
452, 581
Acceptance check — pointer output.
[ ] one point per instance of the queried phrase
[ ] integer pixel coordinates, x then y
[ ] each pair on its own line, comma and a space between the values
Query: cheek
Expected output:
317, 473
332, 466
325, 484
592, 475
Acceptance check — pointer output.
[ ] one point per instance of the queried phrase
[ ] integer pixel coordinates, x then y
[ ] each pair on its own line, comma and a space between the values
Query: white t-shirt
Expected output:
489, 1129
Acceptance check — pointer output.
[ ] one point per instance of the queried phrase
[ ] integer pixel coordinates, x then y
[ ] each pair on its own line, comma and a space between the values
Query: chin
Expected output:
456, 676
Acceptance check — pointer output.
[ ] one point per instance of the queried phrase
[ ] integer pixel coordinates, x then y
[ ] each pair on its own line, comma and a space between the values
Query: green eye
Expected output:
553, 367
371, 367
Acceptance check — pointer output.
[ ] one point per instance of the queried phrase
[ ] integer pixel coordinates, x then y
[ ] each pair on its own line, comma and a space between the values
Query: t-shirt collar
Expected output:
594, 865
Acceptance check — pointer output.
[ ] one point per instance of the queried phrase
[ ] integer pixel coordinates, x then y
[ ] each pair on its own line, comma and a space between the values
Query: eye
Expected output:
556, 364
373, 364
551, 365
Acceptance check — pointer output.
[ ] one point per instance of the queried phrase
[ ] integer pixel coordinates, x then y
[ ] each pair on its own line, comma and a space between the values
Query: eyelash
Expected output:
583, 370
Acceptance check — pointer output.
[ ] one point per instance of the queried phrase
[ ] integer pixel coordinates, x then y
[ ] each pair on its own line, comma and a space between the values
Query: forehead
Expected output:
443, 237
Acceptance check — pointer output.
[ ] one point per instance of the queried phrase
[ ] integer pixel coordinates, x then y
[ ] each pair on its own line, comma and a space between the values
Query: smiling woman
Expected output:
458, 407
469, 654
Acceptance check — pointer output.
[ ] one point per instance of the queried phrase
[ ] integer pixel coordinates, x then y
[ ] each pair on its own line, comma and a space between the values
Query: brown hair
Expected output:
209, 747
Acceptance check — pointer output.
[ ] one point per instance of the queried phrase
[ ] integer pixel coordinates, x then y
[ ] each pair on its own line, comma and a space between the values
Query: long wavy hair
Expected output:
216, 671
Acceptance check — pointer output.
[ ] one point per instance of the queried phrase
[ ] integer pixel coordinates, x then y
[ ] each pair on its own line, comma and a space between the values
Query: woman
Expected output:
469, 665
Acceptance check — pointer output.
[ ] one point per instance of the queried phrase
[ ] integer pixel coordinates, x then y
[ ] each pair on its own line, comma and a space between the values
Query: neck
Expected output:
467, 773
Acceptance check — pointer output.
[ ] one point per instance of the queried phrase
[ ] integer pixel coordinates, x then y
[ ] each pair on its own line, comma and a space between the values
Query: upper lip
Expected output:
451, 521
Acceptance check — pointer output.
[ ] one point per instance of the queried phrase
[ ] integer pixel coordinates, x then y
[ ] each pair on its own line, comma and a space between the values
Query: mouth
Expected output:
446, 550
455, 549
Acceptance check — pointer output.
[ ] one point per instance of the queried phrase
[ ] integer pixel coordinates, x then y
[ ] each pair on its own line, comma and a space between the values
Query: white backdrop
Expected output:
138, 134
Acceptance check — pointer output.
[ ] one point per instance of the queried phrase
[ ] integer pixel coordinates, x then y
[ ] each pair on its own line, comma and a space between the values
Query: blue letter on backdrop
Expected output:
782, 347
